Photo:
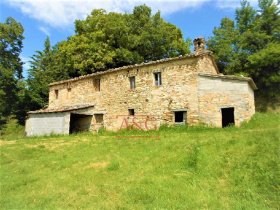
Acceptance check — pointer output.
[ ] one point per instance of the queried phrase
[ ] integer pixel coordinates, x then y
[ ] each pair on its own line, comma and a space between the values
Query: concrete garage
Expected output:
59, 121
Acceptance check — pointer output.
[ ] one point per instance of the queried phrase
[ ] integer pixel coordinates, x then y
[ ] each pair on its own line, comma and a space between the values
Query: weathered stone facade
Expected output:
190, 85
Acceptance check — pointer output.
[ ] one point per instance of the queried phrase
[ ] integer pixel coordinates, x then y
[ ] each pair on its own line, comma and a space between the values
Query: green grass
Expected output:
173, 168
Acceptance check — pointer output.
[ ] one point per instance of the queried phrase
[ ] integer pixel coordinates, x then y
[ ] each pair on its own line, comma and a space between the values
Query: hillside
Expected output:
173, 168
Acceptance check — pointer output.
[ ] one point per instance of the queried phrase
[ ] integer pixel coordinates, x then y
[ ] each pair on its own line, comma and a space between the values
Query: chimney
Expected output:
199, 45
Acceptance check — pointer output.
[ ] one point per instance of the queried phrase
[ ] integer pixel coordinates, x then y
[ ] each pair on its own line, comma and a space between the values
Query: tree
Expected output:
108, 40
102, 41
11, 36
40, 75
250, 46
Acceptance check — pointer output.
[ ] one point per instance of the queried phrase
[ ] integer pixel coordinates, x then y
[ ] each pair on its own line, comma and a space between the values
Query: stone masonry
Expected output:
191, 84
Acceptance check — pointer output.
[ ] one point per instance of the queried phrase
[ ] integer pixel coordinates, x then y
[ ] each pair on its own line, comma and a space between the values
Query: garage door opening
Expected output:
227, 117
79, 123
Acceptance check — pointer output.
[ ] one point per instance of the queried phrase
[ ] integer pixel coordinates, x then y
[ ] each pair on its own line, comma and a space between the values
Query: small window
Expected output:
132, 82
157, 76
56, 94
99, 118
180, 117
68, 92
131, 112
97, 84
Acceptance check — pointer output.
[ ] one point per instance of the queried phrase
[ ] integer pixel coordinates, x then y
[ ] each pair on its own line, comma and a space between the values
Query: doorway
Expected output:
227, 116
79, 123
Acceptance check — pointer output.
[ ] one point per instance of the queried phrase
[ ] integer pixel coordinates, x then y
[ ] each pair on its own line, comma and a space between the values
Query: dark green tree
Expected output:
250, 46
108, 40
40, 75
11, 36
101, 41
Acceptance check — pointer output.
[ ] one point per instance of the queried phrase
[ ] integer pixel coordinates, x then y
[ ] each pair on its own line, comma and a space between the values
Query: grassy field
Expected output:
173, 168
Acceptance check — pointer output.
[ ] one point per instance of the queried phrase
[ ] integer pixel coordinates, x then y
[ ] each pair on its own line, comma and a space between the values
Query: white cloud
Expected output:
45, 30
62, 13
233, 3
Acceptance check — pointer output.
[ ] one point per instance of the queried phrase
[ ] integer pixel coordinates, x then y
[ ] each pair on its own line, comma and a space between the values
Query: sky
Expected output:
55, 18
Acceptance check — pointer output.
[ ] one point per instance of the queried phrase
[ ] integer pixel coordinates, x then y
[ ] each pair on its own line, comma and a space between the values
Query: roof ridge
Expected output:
132, 66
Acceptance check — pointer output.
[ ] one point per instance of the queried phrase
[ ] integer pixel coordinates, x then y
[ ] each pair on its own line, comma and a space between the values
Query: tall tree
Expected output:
101, 41
250, 46
108, 40
11, 36
40, 75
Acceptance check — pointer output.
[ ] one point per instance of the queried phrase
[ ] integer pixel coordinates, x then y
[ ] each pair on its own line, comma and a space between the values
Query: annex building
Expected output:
184, 90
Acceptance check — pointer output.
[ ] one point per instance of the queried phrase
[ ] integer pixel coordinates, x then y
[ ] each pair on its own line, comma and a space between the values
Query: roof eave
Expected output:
192, 55
232, 77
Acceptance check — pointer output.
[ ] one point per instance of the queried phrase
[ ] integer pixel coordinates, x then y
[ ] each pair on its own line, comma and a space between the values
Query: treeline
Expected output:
248, 45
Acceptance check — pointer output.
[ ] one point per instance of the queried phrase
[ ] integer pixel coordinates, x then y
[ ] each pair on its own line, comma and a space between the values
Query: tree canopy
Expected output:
11, 36
102, 41
250, 46
108, 40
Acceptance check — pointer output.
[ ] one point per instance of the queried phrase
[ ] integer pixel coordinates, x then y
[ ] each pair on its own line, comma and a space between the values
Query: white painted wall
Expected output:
47, 123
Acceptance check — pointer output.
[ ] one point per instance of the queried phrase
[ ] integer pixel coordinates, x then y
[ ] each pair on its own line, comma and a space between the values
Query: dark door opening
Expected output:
227, 116
180, 117
79, 122
99, 121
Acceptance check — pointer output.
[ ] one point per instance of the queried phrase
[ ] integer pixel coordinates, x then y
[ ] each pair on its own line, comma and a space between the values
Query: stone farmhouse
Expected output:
183, 90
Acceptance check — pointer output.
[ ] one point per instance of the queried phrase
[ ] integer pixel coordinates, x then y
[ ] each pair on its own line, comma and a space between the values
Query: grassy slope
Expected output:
186, 168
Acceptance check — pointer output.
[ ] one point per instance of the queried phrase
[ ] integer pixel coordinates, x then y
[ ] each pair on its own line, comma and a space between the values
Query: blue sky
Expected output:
55, 18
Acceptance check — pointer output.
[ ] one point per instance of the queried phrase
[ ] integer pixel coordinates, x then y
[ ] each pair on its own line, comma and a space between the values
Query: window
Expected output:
99, 118
131, 112
157, 76
97, 84
180, 117
132, 82
56, 94
68, 92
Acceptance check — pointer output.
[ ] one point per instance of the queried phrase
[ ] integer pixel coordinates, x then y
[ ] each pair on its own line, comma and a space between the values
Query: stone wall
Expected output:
181, 89
178, 91
217, 93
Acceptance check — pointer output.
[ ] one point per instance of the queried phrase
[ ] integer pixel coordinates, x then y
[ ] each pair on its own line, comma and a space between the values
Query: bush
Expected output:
12, 129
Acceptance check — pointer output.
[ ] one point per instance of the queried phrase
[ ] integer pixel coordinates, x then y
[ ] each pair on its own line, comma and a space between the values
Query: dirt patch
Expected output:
3, 143
50, 145
98, 165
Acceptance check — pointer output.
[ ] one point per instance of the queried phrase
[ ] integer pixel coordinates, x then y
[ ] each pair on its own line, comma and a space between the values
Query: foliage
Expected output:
11, 36
104, 40
186, 168
40, 75
250, 46
108, 40
12, 129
